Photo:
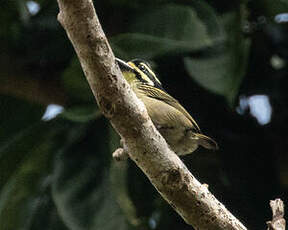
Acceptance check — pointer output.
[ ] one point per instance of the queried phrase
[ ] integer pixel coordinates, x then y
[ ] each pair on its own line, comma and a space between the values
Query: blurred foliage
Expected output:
211, 55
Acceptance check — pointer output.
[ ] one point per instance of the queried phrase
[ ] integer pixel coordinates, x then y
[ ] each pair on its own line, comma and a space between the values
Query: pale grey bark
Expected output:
278, 222
146, 147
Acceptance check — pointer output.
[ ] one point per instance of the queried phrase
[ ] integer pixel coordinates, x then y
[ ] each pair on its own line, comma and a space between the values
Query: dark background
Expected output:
225, 61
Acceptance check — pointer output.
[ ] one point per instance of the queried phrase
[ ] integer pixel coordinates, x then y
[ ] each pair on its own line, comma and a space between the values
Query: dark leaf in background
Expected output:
16, 116
19, 132
42, 211
119, 186
81, 113
222, 69
81, 186
271, 8
10, 24
75, 83
24, 163
170, 29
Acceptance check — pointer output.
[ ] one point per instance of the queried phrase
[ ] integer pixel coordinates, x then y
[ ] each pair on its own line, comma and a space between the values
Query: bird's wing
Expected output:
161, 95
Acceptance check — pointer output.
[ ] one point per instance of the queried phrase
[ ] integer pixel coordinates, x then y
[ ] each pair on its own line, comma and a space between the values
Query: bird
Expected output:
174, 123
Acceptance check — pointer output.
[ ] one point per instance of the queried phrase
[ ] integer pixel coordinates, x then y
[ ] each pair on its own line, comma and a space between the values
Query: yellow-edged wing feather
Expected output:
161, 95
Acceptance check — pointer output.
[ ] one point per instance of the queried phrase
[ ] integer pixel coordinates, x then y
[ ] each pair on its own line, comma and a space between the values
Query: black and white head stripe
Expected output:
123, 65
146, 73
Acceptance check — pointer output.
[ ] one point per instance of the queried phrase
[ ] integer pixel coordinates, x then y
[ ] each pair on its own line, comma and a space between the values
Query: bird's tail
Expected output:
206, 142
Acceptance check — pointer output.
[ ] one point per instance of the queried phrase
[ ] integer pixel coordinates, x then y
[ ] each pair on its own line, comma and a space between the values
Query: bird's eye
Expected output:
142, 68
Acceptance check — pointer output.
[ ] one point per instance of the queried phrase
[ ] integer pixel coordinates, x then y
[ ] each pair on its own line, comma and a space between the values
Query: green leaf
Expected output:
171, 29
14, 151
119, 185
148, 46
24, 163
81, 113
221, 69
75, 82
42, 211
272, 8
10, 23
81, 186
16, 116
20, 127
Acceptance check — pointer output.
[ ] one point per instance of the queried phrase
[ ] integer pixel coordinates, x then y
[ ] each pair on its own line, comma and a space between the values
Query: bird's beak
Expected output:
124, 65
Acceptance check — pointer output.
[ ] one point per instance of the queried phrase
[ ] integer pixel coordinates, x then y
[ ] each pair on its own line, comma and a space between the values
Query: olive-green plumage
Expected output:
175, 124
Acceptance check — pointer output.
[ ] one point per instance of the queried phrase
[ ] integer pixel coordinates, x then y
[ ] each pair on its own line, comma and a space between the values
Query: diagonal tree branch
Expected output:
146, 147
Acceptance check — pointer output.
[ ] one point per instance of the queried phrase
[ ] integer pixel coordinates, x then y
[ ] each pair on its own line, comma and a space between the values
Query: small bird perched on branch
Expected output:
175, 124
